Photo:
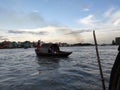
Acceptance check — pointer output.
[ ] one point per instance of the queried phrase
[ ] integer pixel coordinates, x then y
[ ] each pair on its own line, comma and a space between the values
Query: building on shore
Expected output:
117, 40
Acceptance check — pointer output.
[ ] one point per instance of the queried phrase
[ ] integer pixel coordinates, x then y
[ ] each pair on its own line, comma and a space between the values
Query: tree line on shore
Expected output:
29, 44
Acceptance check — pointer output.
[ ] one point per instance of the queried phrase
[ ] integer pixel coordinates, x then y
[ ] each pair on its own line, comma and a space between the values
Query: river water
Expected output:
21, 69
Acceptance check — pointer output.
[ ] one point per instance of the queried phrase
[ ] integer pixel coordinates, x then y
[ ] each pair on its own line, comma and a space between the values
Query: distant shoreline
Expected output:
64, 46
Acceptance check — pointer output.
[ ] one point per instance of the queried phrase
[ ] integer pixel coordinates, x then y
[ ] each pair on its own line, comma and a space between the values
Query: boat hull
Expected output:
58, 54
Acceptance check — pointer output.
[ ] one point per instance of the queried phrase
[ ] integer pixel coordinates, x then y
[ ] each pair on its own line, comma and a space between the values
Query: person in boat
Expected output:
51, 50
38, 44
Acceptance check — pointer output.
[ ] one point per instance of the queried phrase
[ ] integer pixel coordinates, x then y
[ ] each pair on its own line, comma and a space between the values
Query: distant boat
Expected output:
52, 50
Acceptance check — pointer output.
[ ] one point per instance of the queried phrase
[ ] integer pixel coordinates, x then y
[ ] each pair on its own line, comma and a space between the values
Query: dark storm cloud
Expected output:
27, 32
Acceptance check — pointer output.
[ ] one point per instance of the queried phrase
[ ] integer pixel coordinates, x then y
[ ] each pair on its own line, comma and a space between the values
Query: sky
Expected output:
70, 21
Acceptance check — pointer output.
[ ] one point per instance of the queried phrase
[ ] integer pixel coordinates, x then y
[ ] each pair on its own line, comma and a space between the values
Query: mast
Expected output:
99, 63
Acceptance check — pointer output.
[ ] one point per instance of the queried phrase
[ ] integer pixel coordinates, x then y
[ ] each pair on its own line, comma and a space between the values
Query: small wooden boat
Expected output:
51, 50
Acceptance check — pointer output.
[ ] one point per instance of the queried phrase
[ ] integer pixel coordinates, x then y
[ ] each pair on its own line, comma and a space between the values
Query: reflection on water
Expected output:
47, 63
21, 69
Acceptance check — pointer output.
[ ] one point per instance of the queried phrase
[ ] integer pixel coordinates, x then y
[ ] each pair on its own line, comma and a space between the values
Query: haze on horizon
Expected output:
70, 21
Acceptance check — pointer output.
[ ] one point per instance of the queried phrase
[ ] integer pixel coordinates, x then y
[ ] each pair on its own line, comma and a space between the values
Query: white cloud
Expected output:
115, 18
109, 12
117, 22
112, 16
87, 21
53, 34
109, 19
86, 9
107, 26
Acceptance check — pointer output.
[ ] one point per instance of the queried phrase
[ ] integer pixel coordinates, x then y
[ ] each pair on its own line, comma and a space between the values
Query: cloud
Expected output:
106, 26
70, 31
116, 22
78, 31
109, 12
3, 38
47, 34
87, 21
62, 34
85, 7
73, 33
115, 18
27, 32
112, 16
109, 20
